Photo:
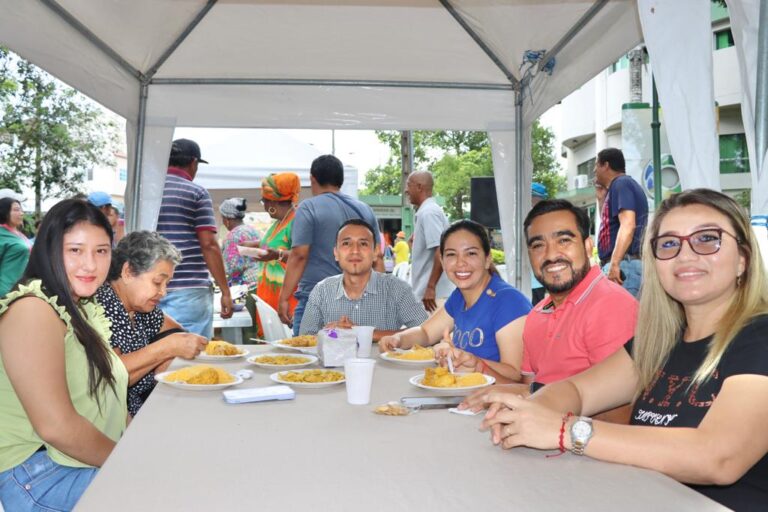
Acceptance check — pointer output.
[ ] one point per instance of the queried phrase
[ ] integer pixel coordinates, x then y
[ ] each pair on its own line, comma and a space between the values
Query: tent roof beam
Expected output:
335, 83
483, 46
572, 32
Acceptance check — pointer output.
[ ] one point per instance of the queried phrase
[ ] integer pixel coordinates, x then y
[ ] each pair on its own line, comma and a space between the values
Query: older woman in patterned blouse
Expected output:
144, 337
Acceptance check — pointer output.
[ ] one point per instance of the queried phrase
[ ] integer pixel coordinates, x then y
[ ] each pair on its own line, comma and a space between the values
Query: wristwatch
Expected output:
581, 433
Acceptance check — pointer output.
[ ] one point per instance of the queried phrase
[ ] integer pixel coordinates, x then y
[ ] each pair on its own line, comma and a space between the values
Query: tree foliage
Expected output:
454, 157
49, 133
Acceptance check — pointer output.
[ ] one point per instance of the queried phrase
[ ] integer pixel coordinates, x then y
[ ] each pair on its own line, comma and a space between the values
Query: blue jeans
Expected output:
192, 308
38, 484
633, 274
298, 313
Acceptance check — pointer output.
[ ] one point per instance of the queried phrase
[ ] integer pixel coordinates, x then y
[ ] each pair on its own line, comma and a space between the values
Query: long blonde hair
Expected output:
661, 318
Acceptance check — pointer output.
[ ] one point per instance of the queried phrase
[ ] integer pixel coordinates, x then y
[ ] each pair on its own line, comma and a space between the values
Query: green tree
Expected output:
453, 176
383, 180
49, 133
546, 169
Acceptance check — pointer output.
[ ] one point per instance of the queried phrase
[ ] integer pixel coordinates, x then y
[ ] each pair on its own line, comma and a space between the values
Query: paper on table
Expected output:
239, 396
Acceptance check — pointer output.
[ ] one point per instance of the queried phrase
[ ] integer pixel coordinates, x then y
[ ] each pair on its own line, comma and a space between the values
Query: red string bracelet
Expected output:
562, 435
482, 366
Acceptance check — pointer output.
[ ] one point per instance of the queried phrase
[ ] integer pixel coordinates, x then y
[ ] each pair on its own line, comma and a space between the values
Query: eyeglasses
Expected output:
702, 242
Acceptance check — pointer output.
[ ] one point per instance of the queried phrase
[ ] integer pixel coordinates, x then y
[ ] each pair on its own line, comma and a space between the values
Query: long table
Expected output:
190, 451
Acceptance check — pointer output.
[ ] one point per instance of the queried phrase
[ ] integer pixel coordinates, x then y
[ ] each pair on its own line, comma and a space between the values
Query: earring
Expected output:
271, 210
738, 280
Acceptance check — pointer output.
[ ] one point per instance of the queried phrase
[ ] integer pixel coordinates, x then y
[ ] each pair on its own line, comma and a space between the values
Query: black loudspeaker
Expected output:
483, 205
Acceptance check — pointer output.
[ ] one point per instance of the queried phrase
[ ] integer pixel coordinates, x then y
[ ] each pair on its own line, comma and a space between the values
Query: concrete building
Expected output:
590, 118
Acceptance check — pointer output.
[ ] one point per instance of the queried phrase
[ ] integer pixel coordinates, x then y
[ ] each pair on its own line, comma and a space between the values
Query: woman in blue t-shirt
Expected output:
484, 313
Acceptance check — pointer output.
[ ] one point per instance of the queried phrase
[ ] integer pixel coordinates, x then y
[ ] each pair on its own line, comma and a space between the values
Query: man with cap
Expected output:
187, 220
102, 201
401, 249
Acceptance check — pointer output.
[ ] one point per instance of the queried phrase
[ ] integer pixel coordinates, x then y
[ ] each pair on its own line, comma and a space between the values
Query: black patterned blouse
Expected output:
130, 336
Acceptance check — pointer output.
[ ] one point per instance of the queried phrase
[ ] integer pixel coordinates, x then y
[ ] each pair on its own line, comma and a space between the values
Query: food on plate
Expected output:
417, 353
392, 409
305, 340
312, 376
442, 378
280, 360
221, 348
200, 374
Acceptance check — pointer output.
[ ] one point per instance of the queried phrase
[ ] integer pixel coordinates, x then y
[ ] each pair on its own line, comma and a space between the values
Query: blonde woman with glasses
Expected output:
697, 370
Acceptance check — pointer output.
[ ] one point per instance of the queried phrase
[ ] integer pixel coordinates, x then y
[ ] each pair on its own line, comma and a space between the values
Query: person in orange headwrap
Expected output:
279, 195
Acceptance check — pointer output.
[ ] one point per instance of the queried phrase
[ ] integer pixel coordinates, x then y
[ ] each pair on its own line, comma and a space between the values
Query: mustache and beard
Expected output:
559, 286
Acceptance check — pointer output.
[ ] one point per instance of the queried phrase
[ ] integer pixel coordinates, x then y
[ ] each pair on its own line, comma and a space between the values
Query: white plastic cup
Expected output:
358, 373
364, 335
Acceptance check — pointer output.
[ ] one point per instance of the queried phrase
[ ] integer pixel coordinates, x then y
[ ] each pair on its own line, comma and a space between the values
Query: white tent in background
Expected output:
344, 64
266, 151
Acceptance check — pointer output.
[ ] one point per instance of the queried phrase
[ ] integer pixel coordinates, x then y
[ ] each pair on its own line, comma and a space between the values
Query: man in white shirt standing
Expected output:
427, 278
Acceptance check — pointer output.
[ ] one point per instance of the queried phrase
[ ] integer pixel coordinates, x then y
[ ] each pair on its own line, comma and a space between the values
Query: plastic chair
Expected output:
271, 325
403, 271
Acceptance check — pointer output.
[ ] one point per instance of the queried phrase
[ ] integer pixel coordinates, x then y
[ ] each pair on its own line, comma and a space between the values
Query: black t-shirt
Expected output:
672, 402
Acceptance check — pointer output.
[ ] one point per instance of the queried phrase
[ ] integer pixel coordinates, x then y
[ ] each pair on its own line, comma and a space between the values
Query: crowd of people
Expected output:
655, 357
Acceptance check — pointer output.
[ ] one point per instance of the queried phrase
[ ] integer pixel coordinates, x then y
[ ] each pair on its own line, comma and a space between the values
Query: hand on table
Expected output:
515, 421
342, 323
186, 345
475, 401
389, 343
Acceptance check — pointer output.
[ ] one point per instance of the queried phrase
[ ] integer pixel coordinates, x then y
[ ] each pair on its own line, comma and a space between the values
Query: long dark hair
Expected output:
46, 262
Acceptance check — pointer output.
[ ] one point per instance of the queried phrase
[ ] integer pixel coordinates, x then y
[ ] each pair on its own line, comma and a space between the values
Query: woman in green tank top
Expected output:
62, 388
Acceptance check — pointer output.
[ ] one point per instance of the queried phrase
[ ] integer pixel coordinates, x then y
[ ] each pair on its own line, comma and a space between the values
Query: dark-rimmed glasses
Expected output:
703, 242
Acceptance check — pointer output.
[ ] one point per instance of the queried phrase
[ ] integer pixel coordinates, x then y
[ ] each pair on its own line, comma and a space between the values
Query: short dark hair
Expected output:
471, 226
358, 222
46, 262
327, 170
557, 205
614, 158
6, 204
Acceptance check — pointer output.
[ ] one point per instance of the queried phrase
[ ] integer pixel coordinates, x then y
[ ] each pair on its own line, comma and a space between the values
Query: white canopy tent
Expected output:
492, 65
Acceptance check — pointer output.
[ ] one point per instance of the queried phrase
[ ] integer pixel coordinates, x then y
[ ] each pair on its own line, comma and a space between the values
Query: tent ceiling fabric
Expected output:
368, 40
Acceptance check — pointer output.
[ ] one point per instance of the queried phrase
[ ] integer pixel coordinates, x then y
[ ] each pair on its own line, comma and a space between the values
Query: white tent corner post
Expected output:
679, 41
508, 180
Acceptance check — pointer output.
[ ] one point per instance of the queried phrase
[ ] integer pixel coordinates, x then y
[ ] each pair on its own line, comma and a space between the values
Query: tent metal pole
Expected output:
761, 93
90, 36
572, 32
479, 41
135, 190
335, 83
519, 190
198, 18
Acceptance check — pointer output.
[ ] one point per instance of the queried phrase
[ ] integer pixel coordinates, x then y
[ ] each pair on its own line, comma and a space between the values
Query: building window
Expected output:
734, 157
587, 168
723, 39
89, 174
622, 63
123, 174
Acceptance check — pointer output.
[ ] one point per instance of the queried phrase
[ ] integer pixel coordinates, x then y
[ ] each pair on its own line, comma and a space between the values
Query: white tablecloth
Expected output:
190, 451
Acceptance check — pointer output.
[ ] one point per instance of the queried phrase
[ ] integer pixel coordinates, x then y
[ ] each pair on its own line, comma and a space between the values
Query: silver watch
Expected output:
581, 433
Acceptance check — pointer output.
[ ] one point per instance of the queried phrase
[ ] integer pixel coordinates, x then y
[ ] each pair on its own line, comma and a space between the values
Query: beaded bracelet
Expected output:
561, 444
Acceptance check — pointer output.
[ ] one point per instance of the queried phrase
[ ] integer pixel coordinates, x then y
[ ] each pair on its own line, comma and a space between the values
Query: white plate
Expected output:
303, 350
160, 377
207, 357
416, 381
275, 378
406, 362
310, 360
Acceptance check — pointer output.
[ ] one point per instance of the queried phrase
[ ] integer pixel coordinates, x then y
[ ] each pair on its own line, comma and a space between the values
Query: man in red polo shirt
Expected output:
584, 317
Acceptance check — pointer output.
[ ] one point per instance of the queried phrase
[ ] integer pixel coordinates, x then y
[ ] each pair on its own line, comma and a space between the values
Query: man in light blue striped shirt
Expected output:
186, 219
360, 295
